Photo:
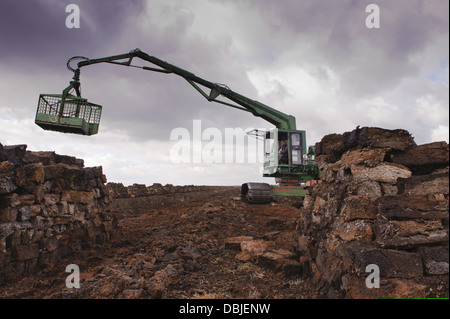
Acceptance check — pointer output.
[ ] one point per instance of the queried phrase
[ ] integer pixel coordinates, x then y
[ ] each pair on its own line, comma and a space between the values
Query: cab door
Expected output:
271, 152
296, 148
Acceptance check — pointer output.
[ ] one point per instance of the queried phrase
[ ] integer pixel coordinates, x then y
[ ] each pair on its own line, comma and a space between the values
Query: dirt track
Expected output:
173, 246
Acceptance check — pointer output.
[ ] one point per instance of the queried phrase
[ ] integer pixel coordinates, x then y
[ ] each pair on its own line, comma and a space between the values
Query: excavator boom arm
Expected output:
277, 118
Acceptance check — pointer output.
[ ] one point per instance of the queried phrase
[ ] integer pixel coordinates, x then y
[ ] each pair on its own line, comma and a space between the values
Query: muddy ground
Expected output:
173, 246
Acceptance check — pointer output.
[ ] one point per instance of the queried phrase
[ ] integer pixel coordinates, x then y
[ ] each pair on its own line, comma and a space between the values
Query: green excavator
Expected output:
70, 113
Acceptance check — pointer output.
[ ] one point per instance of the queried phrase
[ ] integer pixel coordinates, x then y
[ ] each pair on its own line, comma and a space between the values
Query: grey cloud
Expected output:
312, 34
357, 73
334, 33
34, 32
318, 35
150, 105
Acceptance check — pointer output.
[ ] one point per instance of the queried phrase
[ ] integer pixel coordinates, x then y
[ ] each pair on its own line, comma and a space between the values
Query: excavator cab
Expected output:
290, 174
296, 149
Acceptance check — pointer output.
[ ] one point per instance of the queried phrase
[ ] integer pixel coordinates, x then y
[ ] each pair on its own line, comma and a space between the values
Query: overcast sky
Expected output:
316, 60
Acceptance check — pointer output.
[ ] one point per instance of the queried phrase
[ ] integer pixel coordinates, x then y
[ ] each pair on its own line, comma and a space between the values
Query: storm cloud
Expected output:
316, 60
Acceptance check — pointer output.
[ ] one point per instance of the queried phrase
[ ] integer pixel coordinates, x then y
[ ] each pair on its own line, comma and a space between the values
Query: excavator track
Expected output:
257, 193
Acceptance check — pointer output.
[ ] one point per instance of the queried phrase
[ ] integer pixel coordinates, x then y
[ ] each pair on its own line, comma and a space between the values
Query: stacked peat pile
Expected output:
50, 205
118, 190
383, 201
